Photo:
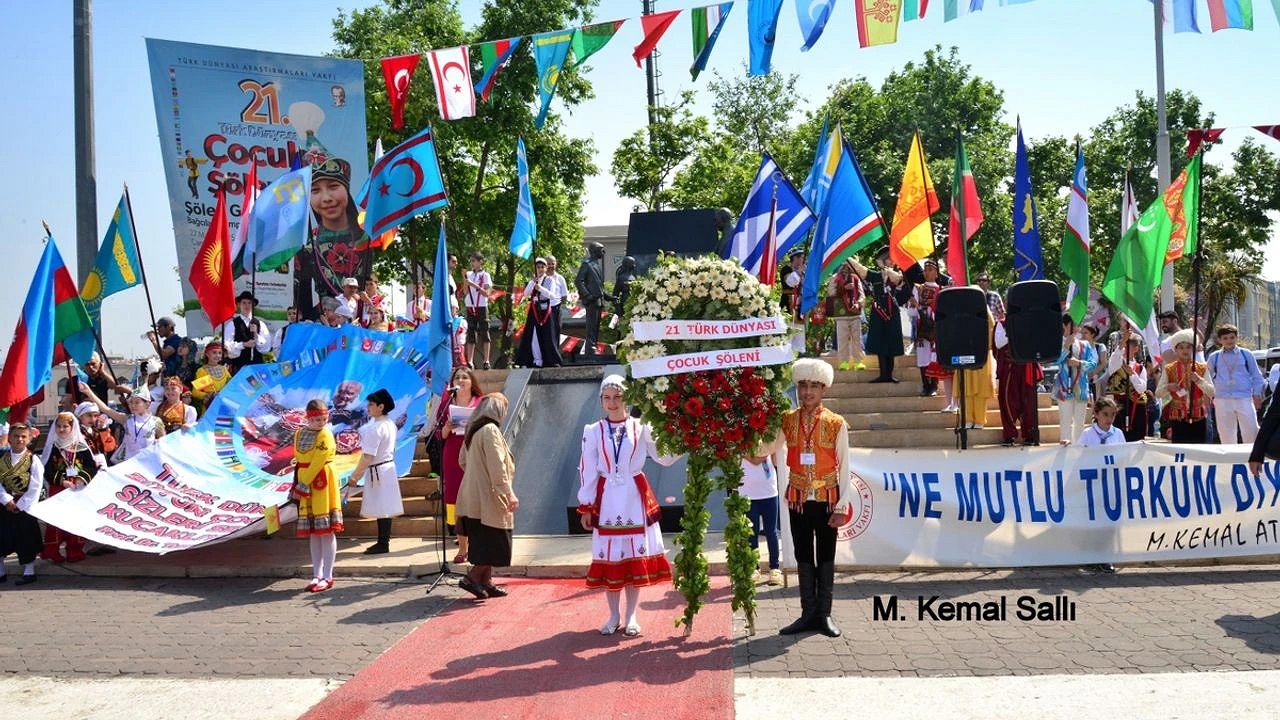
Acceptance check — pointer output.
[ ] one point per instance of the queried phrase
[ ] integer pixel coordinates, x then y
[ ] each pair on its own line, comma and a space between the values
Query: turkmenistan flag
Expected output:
1076, 243
1138, 263
590, 38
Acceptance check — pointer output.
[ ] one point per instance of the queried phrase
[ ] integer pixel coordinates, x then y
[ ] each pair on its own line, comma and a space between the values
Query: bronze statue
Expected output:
589, 283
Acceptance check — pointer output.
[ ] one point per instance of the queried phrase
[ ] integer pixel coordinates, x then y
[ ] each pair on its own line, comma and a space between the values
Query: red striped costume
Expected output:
626, 547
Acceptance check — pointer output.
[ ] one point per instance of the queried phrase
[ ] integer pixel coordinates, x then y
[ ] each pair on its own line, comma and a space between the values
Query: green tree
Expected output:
645, 161
477, 155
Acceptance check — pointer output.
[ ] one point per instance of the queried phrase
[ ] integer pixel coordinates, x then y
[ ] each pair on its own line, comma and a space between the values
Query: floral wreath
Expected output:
717, 416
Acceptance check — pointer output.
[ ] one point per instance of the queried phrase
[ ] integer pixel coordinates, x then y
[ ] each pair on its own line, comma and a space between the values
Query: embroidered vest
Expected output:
823, 477
1119, 386
1189, 405
172, 415
16, 478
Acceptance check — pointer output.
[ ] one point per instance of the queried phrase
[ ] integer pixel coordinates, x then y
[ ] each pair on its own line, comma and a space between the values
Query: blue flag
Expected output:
116, 267
813, 16
809, 189
549, 52
1028, 261
405, 183
793, 217
278, 221
525, 229
849, 222
440, 326
762, 28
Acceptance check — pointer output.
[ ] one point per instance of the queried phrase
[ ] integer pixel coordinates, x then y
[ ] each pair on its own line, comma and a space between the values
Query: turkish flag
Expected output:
210, 274
398, 71
1199, 136
654, 26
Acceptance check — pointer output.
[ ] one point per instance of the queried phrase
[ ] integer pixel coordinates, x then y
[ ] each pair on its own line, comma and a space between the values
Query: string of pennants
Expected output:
1200, 136
877, 22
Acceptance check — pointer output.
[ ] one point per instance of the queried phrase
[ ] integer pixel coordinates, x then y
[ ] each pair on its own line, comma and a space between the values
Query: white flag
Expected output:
451, 73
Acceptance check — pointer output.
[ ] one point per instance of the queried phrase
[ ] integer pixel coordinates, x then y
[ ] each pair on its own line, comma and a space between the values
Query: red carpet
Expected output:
538, 654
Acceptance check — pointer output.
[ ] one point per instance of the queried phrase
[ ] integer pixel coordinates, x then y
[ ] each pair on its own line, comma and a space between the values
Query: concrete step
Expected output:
420, 468
913, 404
417, 486
401, 527
936, 438
416, 507
901, 362
929, 420
846, 386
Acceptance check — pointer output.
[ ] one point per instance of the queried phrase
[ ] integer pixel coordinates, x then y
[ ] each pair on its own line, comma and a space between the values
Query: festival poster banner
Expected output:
1023, 507
210, 483
219, 109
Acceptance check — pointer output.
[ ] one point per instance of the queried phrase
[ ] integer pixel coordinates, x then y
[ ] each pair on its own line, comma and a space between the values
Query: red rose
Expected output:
693, 440
748, 372
733, 434
701, 386
693, 406
724, 403
672, 399
758, 420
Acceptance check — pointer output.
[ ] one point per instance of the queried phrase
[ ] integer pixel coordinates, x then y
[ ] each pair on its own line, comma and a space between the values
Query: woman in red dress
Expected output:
467, 394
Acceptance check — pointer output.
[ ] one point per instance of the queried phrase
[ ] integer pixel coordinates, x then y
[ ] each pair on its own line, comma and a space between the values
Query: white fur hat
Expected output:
813, 370
1182, 336
613, 381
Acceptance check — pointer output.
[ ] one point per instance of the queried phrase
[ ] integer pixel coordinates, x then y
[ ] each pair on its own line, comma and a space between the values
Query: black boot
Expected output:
808, 601
926, 385
826, 580
383, 545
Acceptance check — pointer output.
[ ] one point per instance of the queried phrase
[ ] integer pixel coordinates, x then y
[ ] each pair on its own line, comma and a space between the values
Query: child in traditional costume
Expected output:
381, 494
316, 489
175, 414
1076, 362
811, 453
617, 503
1186, 391
212, 376
69, 465
21, 485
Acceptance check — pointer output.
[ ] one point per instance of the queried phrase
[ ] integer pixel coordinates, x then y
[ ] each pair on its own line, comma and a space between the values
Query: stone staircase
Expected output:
885, 415
416, 488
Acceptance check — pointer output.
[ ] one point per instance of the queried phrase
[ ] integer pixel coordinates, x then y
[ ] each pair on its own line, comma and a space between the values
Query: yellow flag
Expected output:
911, 239
877, 21
272, 515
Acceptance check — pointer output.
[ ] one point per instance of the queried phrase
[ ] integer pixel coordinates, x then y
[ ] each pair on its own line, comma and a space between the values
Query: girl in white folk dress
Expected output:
616, 502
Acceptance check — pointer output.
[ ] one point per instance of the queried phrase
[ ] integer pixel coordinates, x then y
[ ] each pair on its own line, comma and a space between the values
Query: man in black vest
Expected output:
245, 336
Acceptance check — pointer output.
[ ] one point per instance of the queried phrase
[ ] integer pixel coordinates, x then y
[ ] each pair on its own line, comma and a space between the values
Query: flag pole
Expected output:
142, 270
71, 386
1196, 262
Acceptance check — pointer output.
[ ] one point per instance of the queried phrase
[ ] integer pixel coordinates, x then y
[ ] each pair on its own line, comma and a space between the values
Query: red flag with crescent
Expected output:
1271, 131
451, 73
398, 71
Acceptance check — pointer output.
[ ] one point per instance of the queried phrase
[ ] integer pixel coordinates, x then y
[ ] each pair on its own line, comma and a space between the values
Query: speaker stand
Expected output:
962, 424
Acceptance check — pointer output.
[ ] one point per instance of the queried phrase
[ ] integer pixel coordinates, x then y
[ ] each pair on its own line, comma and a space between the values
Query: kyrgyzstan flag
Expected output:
210, 274
53, 326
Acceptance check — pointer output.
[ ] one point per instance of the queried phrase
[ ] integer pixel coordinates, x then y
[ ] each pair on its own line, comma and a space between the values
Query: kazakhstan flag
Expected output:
549, 52
116, 268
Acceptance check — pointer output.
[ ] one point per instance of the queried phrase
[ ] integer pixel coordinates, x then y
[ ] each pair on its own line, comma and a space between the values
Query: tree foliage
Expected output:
477, 155
942, 98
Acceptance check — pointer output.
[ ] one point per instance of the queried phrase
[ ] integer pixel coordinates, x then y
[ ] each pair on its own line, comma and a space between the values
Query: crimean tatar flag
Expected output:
877, 21
210, 274
911, 238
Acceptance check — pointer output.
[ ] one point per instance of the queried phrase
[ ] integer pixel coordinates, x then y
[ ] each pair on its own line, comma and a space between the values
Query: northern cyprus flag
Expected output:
1075, 243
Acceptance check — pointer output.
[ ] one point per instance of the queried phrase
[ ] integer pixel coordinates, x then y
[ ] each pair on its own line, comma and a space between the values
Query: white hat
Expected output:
613, 381
1182, 336
813, 370
350, 281
85, 407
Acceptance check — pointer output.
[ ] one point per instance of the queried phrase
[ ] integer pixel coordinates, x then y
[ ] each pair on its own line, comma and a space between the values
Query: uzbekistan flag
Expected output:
953, 9
53, 326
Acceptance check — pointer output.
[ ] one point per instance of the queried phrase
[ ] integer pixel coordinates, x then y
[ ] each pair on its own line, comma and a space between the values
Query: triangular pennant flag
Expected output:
494, 56
397, 72
1199, 136
590, 38
1228, 14
762, 34
549, 52
877, 21
813, 16
1271, 131
707, 22
451, 75
655, 26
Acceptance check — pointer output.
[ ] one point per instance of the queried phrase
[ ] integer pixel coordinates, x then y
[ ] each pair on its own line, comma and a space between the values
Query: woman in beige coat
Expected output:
486, 500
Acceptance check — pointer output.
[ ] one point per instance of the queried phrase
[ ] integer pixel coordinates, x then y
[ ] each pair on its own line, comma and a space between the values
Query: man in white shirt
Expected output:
349, 301
562, 292
791, 283
245, 336
477, 286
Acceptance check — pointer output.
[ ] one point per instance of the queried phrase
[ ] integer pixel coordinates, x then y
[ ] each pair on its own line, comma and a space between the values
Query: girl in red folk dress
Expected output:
69, 465
615, 500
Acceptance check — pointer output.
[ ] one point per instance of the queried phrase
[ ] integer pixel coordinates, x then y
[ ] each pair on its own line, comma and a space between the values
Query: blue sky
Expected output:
1063, 65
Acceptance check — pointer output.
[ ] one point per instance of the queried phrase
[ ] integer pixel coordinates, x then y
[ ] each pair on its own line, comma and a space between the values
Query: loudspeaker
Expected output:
683, 232
1033, 320
962, 340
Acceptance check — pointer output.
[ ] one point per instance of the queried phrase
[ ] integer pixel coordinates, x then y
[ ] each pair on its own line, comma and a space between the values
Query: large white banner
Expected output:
1056, 506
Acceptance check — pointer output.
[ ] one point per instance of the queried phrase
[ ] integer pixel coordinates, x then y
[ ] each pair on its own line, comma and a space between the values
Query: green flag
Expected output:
590, 38
1139, 260
1076, 243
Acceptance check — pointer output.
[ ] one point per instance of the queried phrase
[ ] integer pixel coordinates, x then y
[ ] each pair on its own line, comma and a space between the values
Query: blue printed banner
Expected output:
1056, 506
210, 483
